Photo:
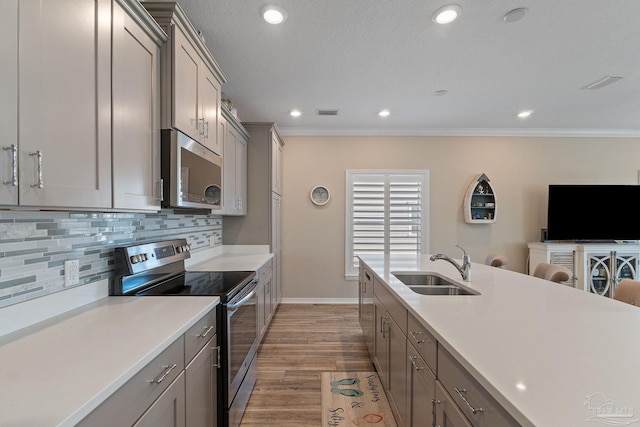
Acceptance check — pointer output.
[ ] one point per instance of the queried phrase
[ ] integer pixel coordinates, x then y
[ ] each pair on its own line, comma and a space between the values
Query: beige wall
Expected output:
520, 169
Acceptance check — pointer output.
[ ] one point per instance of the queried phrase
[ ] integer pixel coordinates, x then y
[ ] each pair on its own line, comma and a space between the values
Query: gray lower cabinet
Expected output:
390, 350
366, 310
177, 388
201, 379
480, 408
131, 401
169, 409
425, 385
447, 413
421, 390
266, 298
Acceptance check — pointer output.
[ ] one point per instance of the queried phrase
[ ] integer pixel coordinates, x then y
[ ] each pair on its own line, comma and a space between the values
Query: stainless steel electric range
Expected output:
158, 269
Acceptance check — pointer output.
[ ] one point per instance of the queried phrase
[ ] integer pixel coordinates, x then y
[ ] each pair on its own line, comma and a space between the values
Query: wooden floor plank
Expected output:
303, 341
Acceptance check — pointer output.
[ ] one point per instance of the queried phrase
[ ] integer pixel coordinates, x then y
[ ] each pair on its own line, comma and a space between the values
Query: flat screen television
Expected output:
593, 213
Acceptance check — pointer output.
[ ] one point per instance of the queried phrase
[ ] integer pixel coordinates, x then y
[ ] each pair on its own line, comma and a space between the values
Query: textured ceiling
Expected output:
360, 56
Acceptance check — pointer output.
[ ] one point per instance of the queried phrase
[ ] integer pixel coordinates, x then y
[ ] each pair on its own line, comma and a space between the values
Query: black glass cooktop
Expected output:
224, 284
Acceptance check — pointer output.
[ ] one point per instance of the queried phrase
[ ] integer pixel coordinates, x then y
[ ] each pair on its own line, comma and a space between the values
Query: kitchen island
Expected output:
549, 354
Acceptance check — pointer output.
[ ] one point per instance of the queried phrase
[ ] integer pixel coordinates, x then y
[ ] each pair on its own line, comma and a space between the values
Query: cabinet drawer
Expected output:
423, 341
469, 394
199, 334
131, 400
393, 306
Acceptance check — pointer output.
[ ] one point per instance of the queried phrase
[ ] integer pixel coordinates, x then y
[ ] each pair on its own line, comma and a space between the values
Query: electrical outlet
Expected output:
71, 272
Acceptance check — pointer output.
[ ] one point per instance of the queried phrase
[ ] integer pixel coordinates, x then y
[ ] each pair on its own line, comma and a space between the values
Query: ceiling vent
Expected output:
607, 80
327, 112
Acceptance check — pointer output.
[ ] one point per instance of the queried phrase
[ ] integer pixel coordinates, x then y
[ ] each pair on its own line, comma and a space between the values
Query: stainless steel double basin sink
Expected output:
432, 284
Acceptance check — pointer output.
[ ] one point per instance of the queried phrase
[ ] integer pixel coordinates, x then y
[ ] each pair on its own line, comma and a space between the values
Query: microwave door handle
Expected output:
233, 307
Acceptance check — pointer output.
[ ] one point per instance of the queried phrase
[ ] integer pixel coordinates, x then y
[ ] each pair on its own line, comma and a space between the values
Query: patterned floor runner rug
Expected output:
354, 399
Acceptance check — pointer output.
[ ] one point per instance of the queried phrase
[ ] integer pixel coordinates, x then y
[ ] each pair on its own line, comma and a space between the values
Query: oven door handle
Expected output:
244, 299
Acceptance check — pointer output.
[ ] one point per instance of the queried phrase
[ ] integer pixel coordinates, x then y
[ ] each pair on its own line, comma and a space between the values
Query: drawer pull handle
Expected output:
206, 332
461, 394
163, 376
413, 362
414, 335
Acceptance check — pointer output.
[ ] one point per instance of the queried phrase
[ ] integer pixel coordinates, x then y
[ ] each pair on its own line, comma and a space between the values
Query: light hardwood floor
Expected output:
303, 341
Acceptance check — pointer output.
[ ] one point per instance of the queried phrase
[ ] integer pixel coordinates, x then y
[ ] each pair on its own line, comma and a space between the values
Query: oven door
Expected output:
241, 337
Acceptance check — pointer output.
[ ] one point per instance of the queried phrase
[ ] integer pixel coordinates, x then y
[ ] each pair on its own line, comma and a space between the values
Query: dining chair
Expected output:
495, 260
628, 291
552, 272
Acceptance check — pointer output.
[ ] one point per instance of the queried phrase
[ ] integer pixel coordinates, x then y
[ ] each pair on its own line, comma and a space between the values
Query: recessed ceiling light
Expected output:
295, 113
524, 114
446, 14
384, 113
516, 14
273, 14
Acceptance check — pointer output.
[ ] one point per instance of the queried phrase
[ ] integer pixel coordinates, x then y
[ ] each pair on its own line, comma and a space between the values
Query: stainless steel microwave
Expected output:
191, 173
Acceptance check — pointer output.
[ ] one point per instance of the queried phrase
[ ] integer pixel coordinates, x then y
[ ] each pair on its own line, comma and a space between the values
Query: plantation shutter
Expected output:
387, 214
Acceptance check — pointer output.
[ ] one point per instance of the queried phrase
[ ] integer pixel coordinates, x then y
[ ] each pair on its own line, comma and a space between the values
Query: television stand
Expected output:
597, 267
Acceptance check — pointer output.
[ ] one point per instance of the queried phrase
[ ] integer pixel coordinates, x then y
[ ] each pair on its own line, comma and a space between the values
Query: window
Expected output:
387, 211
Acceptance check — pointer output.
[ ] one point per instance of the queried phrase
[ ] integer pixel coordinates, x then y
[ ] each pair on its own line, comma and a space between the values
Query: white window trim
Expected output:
350, 272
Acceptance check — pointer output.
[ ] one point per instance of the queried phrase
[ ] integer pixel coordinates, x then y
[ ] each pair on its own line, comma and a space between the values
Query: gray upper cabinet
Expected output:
63, 55
234, 157
191, 80
9, 103
137, 40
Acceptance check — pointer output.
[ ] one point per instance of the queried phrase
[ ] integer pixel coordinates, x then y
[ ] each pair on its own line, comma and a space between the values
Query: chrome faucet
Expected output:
464, 269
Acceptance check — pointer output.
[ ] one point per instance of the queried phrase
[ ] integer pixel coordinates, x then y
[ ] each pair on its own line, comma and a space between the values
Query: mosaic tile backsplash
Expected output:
35, 245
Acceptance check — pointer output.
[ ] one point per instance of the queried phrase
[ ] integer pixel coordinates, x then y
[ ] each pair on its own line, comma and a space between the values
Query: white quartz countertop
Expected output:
230, 258
552, 355
56, 372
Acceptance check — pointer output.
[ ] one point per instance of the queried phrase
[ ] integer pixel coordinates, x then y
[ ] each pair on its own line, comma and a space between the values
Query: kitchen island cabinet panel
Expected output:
472, 399
421, 388
447, 413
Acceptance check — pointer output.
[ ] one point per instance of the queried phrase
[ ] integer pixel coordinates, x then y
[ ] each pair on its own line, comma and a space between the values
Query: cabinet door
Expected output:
276, 208
446, 412
136, 128
210, 110
397, 386
276, 163
268, 301
201, 377
9, 103
186, 86
241, 175
65, 103
169, 409
228, 168
381, 342
421, 389
260, 313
